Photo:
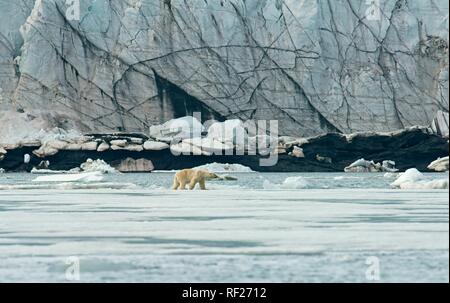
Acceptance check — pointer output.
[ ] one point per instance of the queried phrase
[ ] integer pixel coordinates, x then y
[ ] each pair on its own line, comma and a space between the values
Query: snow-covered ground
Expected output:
235, 232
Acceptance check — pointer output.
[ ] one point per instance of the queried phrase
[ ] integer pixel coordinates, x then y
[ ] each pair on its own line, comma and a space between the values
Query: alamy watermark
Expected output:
232, 137
72, 273
373, 269
73, 10
373, 12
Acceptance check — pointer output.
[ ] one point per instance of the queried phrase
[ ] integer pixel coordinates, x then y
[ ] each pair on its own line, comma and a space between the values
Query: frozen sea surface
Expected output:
250, 230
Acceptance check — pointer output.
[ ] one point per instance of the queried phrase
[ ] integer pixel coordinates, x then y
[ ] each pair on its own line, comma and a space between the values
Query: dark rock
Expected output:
415, 147
130, 165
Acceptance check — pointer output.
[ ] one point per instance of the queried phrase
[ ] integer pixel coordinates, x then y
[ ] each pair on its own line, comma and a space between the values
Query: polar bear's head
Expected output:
209, 175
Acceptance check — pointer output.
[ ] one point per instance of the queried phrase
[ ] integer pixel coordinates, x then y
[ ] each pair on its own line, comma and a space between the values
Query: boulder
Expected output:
130, 165
32, 143
131, 147
73, 147
134, 148
154, 145
119, 143
137, 141
45, 151
89, 146
103, 147
56, 144
184, 148
10, 146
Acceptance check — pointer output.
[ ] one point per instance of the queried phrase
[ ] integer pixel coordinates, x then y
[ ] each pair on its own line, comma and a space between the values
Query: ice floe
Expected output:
37, 171
390, 175
440, 164
364, 166
97, 166
62, 178
289, 183
413, 179
294, 183
225, 168
69, 186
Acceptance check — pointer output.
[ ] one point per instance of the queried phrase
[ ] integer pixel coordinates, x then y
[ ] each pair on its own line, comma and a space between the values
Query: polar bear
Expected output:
192, 177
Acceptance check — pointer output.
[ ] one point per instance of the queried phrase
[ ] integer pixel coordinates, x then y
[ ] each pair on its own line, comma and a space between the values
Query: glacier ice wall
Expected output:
314, 65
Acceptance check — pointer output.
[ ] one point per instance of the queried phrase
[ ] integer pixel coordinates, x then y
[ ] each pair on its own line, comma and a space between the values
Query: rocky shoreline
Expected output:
413, 147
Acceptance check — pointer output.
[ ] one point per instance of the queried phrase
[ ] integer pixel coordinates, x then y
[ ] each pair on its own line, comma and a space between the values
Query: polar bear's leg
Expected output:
182, 185
176, 184
192, 184
202, 184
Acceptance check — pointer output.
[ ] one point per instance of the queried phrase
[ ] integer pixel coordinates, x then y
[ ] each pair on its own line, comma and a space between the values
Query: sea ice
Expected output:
410, 176
289, 183
225, 168
294, 183
390, 175
83, 177
413, 179
37, 171
68, 186
433, 184
97, 166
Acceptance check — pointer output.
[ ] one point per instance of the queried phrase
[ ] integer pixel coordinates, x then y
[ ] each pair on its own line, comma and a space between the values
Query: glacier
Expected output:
317, 66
